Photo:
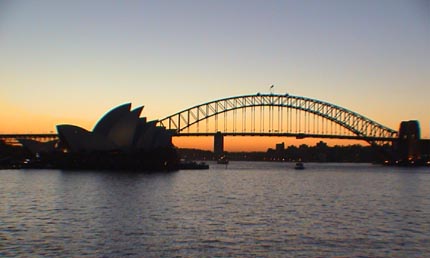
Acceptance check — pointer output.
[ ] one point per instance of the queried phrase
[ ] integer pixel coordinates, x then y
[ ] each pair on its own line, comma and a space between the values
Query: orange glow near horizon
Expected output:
27, 122
253, 143
22, 121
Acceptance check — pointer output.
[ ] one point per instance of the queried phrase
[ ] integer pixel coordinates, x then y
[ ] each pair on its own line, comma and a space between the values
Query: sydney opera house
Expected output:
120, 129
120, 139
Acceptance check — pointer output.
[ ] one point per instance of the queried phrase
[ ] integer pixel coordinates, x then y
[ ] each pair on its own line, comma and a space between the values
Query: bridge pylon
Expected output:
408, 143
218, 144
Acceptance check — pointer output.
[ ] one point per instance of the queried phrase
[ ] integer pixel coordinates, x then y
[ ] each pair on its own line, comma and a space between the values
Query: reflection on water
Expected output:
246, 209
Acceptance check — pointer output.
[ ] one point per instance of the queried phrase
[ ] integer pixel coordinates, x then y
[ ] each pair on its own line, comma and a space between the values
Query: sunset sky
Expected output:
71, 61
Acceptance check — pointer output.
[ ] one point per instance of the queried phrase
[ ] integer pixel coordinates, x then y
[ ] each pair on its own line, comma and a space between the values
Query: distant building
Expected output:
278, 153
35, 147
425, 149
280, 148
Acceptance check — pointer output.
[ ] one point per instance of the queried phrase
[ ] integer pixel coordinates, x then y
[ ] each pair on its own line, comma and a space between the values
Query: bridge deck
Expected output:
10, 137
295, 135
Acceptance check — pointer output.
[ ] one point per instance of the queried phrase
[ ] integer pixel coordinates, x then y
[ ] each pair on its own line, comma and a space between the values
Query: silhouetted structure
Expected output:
119, 130
218, 144
280, 115
323, 153
425, 150
409, 138
120, 140
280, 147
275, 115
409, 149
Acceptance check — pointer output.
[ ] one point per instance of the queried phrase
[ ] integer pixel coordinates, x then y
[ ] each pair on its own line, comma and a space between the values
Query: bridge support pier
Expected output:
408, 143
218, 144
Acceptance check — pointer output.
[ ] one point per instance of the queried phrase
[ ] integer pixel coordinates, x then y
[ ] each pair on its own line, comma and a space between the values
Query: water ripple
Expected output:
246, 210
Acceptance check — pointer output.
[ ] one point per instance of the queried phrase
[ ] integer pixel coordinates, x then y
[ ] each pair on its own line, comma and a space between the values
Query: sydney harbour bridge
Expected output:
268, 115
276, 115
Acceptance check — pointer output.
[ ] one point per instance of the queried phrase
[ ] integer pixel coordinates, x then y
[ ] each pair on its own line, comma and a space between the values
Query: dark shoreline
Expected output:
138, 161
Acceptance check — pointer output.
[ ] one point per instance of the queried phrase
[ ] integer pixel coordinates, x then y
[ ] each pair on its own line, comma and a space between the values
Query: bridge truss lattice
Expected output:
276, 115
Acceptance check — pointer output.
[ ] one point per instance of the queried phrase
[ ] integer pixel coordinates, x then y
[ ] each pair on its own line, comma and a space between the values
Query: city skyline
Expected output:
67, 62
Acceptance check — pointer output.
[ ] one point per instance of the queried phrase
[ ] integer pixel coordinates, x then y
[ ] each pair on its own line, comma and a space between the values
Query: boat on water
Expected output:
223, 160
299, 165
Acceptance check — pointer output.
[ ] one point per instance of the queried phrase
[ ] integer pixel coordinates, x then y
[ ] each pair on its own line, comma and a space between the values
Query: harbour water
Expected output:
244, 209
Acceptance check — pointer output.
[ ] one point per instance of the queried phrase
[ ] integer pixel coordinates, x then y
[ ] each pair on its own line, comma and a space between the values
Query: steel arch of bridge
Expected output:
360, 126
